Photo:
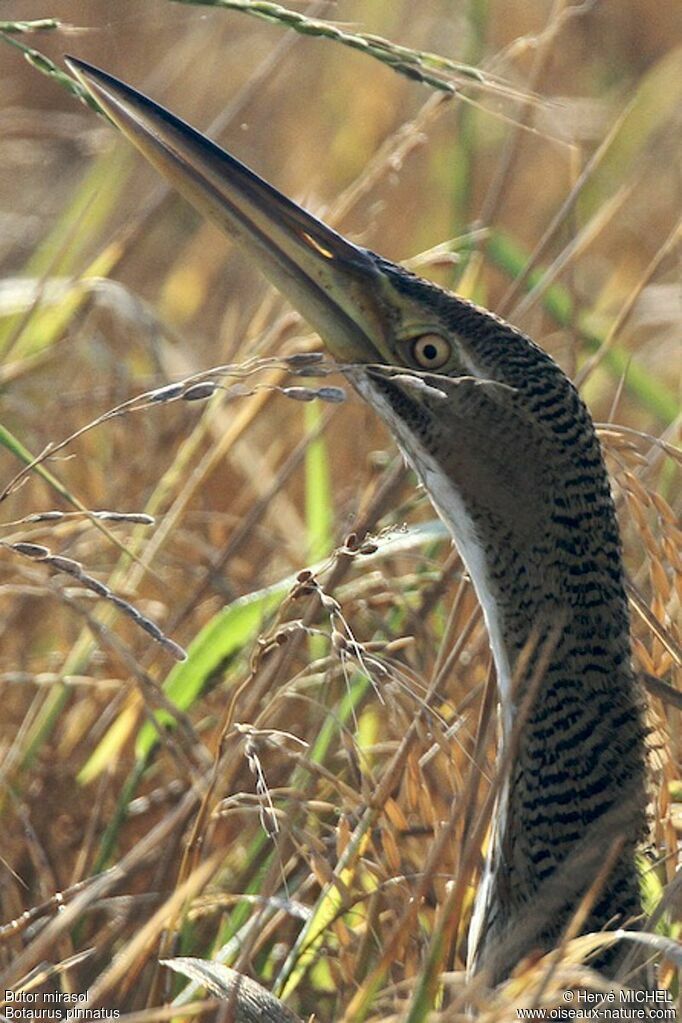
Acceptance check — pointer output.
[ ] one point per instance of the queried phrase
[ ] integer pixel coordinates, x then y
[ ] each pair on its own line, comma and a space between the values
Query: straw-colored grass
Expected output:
304, 798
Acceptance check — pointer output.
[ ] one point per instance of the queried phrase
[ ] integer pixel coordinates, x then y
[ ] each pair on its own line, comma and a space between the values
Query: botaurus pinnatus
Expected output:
508, 455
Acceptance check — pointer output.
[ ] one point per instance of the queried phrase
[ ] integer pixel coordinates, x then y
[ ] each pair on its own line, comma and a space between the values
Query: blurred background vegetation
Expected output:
300, 804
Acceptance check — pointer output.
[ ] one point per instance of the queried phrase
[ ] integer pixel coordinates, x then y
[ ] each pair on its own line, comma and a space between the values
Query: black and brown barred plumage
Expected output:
526, 462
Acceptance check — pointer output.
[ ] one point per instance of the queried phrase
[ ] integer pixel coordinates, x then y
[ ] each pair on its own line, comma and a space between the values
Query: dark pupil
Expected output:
430, 352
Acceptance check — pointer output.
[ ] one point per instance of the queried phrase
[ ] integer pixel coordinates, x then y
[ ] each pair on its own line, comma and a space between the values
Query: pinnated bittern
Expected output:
508, 455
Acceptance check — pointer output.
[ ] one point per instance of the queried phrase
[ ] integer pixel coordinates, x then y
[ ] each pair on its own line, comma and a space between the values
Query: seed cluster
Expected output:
73, 568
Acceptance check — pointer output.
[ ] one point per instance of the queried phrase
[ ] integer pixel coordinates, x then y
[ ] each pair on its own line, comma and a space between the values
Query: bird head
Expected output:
485, 417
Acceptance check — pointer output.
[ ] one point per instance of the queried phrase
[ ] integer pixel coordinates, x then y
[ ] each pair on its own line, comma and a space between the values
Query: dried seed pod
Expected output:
67, 565
113, 516
664, 663
663, 508
334, 395
321, 869
413, 781
312, 371
342, 834
299, 359
635, 509
97, 587
76, 571
299, 393
395, 815
391, 851
657, 608
642, 655
168, 393
201, 391
631, 483
659, 580
672, 553
32, 550
346, 941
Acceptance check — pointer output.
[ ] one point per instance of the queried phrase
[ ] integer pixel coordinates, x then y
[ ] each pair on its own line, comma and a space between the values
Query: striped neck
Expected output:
580, 750
551, 569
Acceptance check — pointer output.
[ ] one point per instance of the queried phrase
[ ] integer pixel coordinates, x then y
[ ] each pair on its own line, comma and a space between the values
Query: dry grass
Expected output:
310, 805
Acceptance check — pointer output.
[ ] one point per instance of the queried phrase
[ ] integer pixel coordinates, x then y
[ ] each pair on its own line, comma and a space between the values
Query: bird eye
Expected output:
430, 351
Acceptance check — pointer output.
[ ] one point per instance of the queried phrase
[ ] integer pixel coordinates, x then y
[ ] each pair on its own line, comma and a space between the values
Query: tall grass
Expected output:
297, 799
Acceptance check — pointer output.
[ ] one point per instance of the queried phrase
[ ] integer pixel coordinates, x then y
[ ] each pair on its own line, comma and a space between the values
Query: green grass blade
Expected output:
319, 503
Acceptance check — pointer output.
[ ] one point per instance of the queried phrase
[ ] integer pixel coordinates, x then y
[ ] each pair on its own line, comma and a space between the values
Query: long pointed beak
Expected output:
331, 282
